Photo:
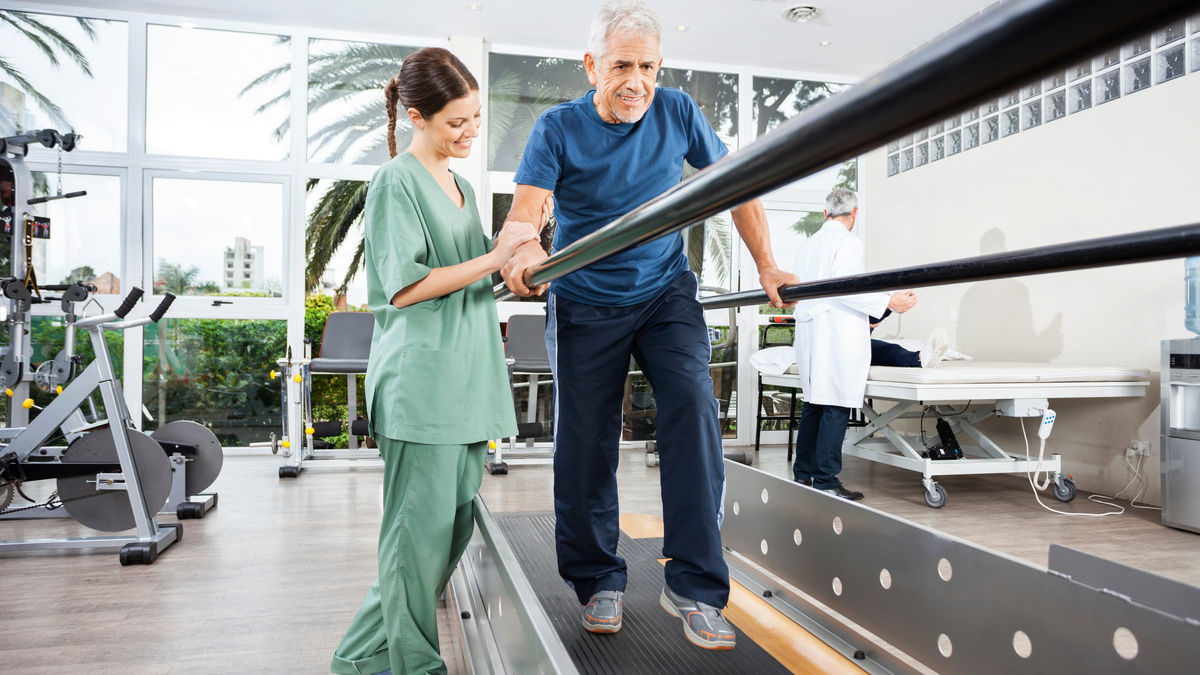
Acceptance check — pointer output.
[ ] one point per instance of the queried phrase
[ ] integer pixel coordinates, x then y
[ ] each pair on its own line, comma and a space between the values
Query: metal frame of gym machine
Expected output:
833, 566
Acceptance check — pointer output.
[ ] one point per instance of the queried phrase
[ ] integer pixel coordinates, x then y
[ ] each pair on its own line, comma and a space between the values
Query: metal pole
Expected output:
1002, 49
1122, 249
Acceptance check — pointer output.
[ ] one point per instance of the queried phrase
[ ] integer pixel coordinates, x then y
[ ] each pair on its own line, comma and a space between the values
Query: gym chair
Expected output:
345, 349
525, 352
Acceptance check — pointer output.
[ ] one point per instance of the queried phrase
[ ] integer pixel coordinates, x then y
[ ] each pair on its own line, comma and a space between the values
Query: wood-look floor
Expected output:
268, 581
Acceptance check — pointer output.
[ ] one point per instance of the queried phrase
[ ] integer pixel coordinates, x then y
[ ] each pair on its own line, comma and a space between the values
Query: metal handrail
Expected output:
1003, 48
1121, 249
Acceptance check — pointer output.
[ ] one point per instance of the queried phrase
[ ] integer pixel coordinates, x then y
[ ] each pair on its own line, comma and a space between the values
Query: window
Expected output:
87, 94
991, 129
1137, 75
197, 222
715, 93
922, 154
1170, 63
1109, 86
341, 259
1031, 115
203, 98
347, 121
777, 100
1171, 33
519, 89
1056, 106
971, 138
1137, 47
893, 165
938, 146
955, 143
1081, 96
85, 232
906, 159
214, 371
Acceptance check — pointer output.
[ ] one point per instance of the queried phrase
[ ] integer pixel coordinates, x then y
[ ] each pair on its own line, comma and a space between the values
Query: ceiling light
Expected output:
474, 6
681, 28
801, 13
186, 25
824, 43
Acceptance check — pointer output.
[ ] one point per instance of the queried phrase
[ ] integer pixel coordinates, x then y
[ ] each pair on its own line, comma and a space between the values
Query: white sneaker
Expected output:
934, 349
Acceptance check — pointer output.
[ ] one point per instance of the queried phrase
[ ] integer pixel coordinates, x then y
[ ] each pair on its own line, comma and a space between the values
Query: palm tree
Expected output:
50, 43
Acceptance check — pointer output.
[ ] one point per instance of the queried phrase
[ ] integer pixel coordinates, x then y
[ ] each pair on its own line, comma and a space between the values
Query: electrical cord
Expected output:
1037, 484
1142, 485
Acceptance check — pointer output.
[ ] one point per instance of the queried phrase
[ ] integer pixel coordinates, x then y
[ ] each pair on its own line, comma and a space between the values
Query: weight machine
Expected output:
110, 476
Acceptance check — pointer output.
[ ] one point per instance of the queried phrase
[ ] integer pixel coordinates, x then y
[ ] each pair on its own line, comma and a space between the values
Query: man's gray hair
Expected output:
632, 16
840, 202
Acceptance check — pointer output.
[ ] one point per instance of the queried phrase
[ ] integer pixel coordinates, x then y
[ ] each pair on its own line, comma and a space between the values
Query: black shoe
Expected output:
841, 491
806, 481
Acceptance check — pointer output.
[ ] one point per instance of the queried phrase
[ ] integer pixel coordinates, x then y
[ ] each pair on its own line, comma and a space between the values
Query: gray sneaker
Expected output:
603, 612
702, 624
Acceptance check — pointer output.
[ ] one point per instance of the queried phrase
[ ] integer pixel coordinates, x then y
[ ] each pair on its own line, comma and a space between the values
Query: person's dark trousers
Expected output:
589, 348
819, 444
891, 354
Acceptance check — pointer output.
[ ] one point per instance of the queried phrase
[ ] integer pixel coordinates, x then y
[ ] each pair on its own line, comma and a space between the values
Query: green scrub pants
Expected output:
428, 518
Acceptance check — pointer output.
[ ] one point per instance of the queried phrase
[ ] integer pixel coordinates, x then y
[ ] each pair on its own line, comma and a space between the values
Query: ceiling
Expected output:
864, 35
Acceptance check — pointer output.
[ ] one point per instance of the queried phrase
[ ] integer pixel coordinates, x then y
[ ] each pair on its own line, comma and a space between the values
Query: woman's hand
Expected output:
514, 234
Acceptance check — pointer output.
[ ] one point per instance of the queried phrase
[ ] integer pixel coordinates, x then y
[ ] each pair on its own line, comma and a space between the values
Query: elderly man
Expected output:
833, 345
602, 155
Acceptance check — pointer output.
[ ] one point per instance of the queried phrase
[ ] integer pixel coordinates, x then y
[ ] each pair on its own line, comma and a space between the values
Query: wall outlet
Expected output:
1139, 447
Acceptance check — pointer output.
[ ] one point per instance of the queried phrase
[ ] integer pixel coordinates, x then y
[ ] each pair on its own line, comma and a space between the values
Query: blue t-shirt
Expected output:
600, 171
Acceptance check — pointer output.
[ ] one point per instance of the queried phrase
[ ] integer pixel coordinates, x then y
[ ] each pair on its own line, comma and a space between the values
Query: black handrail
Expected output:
1121, 249
1002, 49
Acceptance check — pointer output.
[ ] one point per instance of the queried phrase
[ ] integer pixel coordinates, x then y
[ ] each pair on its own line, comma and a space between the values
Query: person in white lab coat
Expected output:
833, 345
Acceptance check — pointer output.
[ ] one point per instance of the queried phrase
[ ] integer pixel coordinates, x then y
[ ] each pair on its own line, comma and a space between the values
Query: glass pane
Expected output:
347, 121
335, 206
937, 128
87, 93
85, 232
212, 93
893, 146
1194, 22
715, 93
938, 148
709, 246
906, 160
1010, 122
1170, 63
971, 139
953, 121
955, 143
1082, 70
1137, 75
1056, 104
921, 135
519, 89
1031, 91
215, 372
1138, 46
970, 115
1081, 96
1054, 81
1109, 85
215, 237
789, 229
1011, 98
989, 107
1195, 55
1170, 34
778, 99
922, 156
893, 165
991, 129
1110, 58
1032, 116
906, 141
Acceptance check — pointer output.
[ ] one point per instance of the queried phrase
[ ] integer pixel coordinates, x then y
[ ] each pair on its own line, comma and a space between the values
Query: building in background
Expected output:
244, 265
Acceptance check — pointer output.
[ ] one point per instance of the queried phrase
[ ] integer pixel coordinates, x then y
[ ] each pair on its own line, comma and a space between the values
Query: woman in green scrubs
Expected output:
437, 385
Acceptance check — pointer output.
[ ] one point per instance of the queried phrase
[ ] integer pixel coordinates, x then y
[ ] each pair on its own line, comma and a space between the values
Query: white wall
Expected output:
1123, 166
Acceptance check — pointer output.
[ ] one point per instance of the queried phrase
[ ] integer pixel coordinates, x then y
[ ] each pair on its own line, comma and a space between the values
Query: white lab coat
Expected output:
833, 335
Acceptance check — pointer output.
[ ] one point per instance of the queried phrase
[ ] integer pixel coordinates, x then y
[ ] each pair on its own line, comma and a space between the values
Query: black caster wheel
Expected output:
498, 468
289, 471
1066, 492
138, 554
936, 500
189, 510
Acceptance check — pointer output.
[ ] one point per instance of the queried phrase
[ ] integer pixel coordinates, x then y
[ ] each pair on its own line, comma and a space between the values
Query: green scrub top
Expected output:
436, 374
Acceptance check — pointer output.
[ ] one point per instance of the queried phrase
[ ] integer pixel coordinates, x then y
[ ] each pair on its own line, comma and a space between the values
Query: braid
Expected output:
391, 95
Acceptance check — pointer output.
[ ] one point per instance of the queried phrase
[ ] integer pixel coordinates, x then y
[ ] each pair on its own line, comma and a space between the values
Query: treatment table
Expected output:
954, 392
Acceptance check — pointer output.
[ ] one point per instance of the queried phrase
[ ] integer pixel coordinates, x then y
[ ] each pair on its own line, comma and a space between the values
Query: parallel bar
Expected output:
1121, 249
1002, 49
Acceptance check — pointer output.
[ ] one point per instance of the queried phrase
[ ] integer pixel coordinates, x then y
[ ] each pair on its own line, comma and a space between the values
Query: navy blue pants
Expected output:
891, 354
819, 439
589, 348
